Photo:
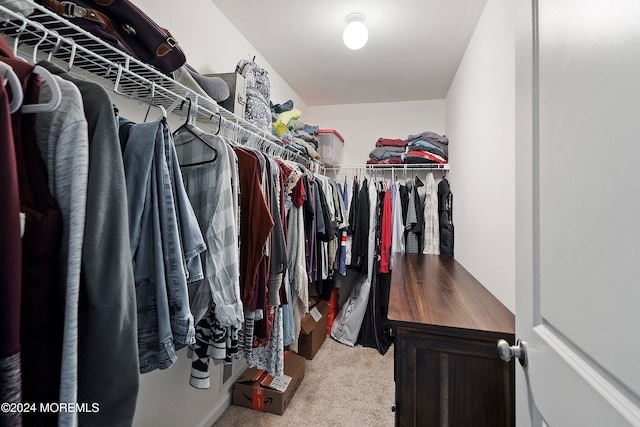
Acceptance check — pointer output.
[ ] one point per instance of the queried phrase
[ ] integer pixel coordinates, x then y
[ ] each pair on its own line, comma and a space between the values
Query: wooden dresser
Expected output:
446, 325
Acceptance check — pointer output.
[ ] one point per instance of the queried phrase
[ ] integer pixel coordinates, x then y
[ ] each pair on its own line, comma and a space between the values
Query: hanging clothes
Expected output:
347, 324
215, 301
63, 141
445, 210
290, 178
397, 233
10, 271
415, 222
352, 218
431, 235
268, 348
107, 332
165, 237
372, 332
342, 267
327, 232
210, 191
255, 225
385, 231
310, 227
360, 249
297, 264
41, 296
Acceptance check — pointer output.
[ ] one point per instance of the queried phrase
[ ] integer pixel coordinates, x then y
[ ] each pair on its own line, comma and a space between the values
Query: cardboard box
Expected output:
258, 390
313, 331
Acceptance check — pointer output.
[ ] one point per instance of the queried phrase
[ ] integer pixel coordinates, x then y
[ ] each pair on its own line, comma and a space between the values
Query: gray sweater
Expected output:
108, 371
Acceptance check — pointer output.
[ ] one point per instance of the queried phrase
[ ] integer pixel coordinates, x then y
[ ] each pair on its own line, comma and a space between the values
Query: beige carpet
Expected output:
342, 386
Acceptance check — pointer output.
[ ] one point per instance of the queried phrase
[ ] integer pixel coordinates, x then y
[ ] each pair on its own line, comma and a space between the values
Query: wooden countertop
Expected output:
436, 290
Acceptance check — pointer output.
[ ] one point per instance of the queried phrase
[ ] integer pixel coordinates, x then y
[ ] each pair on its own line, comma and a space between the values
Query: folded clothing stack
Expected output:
386, 155
427, 147
298, 136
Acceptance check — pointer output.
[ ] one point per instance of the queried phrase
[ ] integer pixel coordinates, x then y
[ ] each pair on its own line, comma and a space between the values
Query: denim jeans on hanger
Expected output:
165, 323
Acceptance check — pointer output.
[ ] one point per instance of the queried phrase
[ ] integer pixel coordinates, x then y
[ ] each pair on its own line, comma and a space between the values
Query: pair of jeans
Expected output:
165, 242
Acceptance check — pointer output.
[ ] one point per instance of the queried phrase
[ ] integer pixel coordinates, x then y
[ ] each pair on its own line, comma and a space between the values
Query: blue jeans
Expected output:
160, 225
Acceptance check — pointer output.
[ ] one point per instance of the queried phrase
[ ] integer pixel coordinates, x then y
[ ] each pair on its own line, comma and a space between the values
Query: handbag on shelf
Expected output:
124, 26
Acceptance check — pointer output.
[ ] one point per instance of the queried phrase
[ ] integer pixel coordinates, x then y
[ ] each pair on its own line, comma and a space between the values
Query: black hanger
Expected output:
188, 126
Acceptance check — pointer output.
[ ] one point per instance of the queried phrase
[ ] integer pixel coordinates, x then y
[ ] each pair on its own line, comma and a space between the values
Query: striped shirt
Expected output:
209, 186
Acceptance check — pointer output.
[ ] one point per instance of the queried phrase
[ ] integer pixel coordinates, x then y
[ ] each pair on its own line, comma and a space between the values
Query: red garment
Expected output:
385, 239
389, 142
255, 223
42, 305
11, 249
298, 194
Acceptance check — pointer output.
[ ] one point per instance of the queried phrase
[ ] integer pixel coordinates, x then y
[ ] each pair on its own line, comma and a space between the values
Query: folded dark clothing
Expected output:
389, 142
281, 108
429, 136
425, 156
389, 161
437, 148
385, 152
417, 160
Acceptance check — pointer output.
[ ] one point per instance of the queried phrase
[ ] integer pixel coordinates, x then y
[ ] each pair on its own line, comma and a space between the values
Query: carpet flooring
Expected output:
342, 386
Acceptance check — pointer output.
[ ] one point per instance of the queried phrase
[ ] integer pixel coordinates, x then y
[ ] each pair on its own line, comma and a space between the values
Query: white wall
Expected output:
362, 124
480, 123
211, 43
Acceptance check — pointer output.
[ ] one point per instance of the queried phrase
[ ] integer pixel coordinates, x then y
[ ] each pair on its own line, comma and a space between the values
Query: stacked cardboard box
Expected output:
313, 330
258, 390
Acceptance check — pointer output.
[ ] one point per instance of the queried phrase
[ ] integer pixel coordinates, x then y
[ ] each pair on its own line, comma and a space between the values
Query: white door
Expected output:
578, 212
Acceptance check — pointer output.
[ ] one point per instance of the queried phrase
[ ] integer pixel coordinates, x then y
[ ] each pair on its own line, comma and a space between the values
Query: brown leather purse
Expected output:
124, 26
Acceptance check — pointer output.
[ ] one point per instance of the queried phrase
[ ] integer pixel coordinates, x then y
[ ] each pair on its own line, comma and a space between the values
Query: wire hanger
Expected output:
13, 81
56, 94
188, 126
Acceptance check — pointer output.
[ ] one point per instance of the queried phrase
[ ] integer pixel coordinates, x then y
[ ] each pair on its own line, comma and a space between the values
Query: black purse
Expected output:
124, 26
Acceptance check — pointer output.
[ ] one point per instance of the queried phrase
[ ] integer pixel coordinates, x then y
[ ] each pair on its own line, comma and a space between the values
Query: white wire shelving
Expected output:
387, 167
43, 34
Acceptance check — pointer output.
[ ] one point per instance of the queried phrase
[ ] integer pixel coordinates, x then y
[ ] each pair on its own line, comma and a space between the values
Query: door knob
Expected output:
519, 351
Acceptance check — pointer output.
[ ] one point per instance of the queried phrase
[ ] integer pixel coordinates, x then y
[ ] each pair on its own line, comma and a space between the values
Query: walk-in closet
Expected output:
224, 213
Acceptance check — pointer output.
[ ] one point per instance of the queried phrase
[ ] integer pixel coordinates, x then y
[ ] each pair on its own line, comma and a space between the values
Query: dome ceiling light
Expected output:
355, 33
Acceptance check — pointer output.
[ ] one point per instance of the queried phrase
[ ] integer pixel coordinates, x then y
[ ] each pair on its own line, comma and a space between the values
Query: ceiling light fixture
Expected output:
355, 34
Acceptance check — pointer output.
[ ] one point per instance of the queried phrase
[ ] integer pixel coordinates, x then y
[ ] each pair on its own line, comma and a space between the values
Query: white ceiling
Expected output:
413, 51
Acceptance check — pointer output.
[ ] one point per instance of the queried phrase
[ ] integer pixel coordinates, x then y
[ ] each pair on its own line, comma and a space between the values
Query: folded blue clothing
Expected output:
311, 130
281, 108
305, 135
386, 152
435, 148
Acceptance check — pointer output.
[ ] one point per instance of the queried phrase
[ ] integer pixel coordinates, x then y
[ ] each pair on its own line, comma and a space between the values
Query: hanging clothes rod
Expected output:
254, 139
398, 167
